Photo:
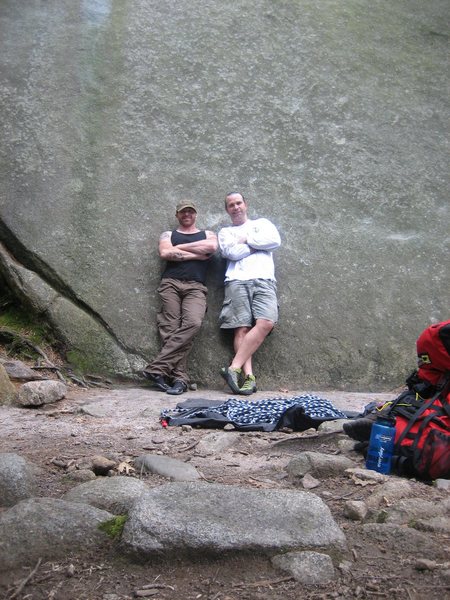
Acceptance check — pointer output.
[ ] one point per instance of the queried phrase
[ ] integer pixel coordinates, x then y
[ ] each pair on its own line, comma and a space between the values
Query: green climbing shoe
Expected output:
249, 386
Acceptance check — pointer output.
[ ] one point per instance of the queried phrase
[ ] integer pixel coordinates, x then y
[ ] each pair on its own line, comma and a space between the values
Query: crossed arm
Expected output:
201, 250
262, 236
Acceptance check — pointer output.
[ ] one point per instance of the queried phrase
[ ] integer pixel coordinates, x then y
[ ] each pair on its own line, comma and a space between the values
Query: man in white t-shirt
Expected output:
250, 305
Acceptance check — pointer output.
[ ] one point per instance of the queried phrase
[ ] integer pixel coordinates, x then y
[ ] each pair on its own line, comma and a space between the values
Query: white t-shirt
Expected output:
253, 259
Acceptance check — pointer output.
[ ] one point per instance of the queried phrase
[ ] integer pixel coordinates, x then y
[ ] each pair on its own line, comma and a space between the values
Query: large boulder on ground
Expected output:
214, 518
18, 479
405, 540
48, 528
114, 494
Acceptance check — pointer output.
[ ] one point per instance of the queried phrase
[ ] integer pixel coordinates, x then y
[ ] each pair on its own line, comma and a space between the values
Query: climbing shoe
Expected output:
157, 379
179, 387
359, 429
249, 385
231, 376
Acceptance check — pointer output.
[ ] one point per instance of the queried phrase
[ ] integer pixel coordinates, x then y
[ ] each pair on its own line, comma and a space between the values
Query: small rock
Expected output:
442, 484
366, 475
84, 464
37, 393
158, 440
19, 371
101, 465
309, 482
346, 445
439, 524
306, 567
356, 510
93, 410
332, 426
317, 464
311, 432
81, 475
171, 468
424, 564
216, 442
345, 567
388, 493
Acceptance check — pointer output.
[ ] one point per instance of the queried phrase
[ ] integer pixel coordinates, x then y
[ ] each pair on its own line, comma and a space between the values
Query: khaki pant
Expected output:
180, 318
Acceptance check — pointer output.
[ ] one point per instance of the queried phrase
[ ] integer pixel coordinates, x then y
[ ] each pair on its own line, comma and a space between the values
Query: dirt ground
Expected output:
64, 437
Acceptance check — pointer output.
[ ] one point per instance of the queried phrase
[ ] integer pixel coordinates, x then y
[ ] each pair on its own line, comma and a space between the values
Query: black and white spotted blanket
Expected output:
297, 413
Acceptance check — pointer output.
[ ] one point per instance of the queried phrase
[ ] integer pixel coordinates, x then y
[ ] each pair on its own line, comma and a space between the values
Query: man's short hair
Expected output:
232, 194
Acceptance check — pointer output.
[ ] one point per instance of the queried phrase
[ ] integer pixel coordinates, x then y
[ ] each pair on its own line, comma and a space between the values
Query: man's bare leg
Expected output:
250, 342
239, 335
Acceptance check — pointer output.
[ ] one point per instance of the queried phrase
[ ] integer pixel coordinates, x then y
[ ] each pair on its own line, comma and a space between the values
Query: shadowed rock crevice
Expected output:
39, 287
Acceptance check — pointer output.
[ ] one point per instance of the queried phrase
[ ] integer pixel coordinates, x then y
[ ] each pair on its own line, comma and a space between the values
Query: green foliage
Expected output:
382, 516
22, 334
114, 527
22, 321
79, 361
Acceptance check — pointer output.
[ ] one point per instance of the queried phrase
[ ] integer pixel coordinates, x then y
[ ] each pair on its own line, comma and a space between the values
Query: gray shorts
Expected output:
246, 301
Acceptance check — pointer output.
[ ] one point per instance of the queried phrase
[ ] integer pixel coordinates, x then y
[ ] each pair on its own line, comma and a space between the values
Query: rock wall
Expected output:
331, 117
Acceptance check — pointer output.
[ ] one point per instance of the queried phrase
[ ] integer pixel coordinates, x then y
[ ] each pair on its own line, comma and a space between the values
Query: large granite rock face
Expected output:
331, 117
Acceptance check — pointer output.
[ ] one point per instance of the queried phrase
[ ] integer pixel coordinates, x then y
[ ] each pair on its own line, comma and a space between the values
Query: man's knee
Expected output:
241, 332
265, 326
194, 324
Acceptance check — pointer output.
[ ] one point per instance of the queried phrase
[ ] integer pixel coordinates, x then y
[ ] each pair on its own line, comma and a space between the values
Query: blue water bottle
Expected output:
381, 445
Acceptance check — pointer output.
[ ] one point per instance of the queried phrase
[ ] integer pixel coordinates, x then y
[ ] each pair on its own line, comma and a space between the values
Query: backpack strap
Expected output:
428, 419
406, 405
446, 408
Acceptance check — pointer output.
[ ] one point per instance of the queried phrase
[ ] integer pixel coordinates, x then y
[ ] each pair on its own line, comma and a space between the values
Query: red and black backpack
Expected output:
422, 440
